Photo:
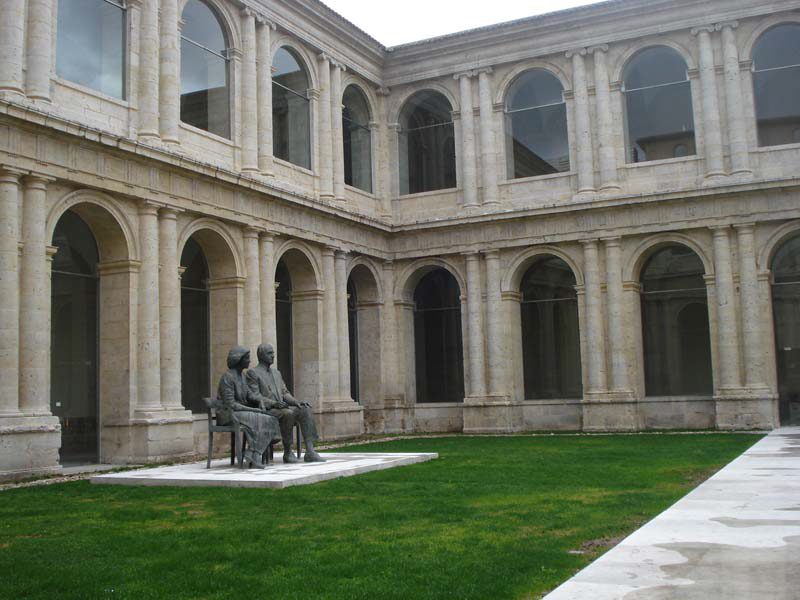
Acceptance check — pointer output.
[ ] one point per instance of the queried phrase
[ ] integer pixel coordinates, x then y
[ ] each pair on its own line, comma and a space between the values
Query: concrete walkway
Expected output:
737, 536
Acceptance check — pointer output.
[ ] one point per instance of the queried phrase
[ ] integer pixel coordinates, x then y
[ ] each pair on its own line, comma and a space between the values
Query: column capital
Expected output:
720, 230
597, 48
388, 264
471, 255
339, 66
492, 254
248, 12
262, 20
148, 207
135, 4
266, 236
726, 25
383, 91
324, 57
575, 52
703, 29
235, 53
169, 213
37, 180
328, 251
612, 242
484, 71
589, 243
462, 74
251, 233
394, 127
313, 93
745, 227
11, 174
340, 254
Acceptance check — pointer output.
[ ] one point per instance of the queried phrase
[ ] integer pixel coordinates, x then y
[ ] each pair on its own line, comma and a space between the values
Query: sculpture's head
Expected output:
266, 354
239, 356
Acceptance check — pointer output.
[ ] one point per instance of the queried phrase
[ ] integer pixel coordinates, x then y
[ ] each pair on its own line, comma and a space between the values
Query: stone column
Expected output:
9, 291
40, 48
269, 326
583, 125
468, 166
606, 149
737, 127
12, 38
148, 70
252, 291
325, 133
330, 329
34, 307
475, 361
170, 76
727, 323
595, 339
148, 380
712, 128
169, 296
264, 68
343, 333
249, 125
752, 341
494, 325
491, 194
616, 316
337, 150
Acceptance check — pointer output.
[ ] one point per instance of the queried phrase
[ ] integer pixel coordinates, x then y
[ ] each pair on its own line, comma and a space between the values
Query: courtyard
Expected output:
500, 517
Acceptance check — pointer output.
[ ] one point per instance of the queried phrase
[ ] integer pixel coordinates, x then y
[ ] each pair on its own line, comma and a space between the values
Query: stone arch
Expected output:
522, 68
361, 268
746, 52
399, 104
228, 20
410, 276
633, 267
310, 270
523, 261
775, 241
633, 50
307, 59
110, 225
369, 95
221, 250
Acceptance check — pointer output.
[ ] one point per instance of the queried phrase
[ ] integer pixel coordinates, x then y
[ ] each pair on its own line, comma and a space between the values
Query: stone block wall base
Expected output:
29, 446
614, 413
340, 419
373, 421
156, 437
492, 414
397, 416
745, 411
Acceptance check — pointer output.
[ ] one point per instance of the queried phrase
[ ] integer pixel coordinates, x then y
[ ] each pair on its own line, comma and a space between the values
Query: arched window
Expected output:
195, 328
91, 44
357, 139
205, 95
291, 123
536, 126
786, 312
658, 106
283, 315
74, 395
551, 352
677, 348
427, 144
776, 83
437, 338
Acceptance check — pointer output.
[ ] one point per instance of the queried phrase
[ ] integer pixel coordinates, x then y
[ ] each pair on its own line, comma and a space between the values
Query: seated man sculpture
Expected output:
233, 397
268, 391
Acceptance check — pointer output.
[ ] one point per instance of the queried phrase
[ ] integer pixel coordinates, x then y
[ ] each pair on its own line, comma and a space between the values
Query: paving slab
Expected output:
277, 475
736, 536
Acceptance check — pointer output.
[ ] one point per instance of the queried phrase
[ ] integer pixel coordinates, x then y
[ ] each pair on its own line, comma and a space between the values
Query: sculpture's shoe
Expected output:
313, 457
252, 460
289, 458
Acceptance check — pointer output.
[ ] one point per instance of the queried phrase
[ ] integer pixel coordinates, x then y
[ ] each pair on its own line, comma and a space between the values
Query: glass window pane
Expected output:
654, 66
202, 26
427, 144
195, 329
534, 88
91, 45
537, 141
776, 84
204, 90
778, 47
357, 140
660, 122
291, 121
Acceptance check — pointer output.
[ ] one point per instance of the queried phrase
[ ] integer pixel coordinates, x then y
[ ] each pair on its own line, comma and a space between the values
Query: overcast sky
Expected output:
401, 21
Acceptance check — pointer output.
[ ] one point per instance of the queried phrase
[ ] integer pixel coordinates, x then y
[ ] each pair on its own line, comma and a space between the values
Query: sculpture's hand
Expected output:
305, 404
281, 405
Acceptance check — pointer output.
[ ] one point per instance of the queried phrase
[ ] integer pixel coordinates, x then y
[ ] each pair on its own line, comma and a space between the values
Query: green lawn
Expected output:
492, 518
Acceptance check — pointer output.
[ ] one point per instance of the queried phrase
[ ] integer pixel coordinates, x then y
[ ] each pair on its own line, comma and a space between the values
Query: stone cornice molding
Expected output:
118, 267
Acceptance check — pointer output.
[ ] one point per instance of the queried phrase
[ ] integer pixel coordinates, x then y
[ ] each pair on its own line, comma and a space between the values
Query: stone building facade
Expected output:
586, 220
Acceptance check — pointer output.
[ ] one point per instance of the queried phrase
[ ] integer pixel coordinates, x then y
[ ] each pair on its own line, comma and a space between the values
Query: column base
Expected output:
493, 413
339, 419
150, 436
715, 177
398, 417
29, 446
251, 171
610, 411
746, 409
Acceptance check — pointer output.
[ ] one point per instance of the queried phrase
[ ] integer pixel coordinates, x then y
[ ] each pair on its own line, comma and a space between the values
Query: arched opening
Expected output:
74, 396
536, 126
364, 321
675, 329
427, 144
291, 114
658, 106
438, 346
205, 93
776, 85
786, 312
195, 328
357, 139
283, 315
352, 328
551, 352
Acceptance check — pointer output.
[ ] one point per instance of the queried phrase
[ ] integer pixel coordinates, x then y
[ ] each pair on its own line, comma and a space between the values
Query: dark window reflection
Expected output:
205, 98
357, 139
786, 311
91, 44
658, 106
195, 329
437, 339
536, 126
283, 315
551, 352
427, 144
73, 363
291, 122
677, 348
352, 326
776, 82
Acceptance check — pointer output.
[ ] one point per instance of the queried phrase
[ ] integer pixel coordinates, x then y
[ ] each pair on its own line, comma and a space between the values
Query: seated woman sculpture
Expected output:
259, 428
